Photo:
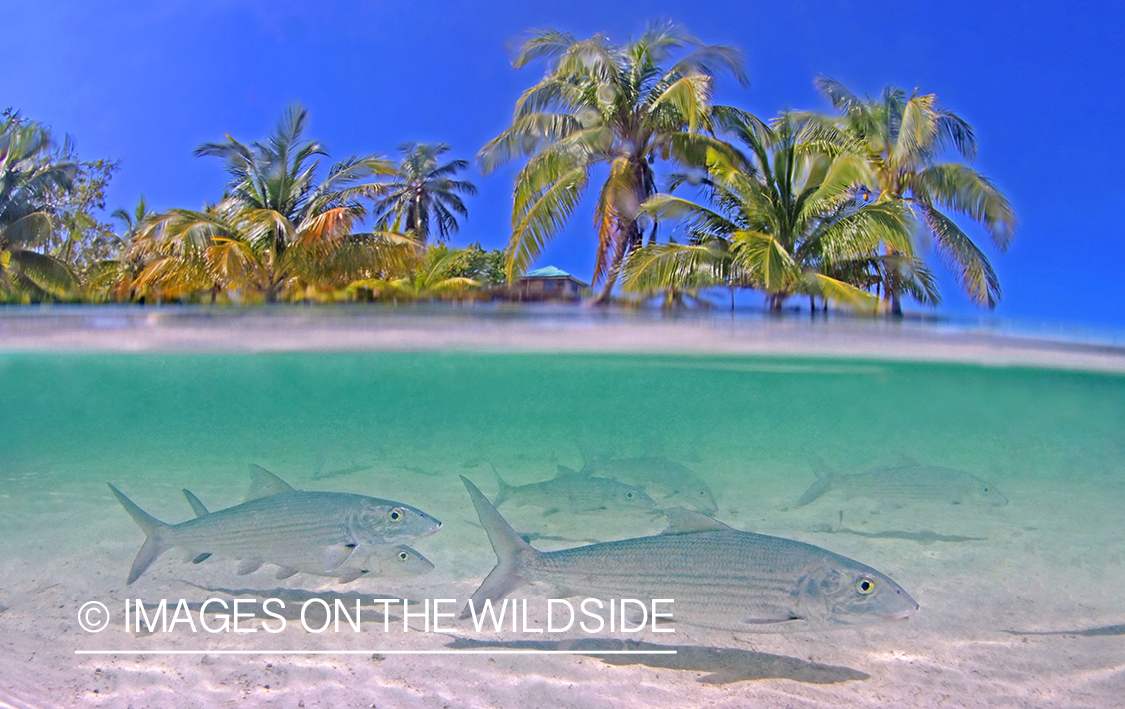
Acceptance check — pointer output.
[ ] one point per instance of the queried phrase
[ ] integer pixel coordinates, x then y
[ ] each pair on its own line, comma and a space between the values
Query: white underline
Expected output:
375, 652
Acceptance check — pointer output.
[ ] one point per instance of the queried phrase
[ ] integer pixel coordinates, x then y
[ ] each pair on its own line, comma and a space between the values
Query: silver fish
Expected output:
279, 525
719, 577
383, 559
571, 491
905, 484
674, 484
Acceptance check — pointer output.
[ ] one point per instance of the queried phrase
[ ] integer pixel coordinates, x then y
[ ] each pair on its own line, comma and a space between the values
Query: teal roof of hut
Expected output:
547, 272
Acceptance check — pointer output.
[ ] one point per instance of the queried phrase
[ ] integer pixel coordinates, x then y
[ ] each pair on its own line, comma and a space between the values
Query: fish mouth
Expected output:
428, 532
910, 609
901, 615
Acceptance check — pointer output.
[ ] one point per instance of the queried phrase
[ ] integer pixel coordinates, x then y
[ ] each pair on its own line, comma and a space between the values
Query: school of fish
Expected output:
721, 577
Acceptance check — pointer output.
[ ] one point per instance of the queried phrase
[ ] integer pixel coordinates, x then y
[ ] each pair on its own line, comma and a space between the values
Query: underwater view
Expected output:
456, 526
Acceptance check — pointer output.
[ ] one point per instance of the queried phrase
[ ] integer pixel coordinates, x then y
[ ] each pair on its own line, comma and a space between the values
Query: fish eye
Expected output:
396, 515
865, 585
703, 493
403, 556
986, 490
629, 494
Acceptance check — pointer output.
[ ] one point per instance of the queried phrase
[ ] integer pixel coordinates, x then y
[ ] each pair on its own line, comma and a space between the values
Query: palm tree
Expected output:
278, 230
28, 177
902, 138
432, 278
116, 277
788, 218
422, 191
619, 105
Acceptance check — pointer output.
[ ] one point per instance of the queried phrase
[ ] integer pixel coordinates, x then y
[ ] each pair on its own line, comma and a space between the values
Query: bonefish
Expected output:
294, 529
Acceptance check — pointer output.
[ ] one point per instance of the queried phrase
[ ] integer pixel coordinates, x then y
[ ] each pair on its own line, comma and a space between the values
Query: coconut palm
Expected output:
902, 137
29, 176
433, 278
787, 218
624, 106
278, 230
115, 277
423, 195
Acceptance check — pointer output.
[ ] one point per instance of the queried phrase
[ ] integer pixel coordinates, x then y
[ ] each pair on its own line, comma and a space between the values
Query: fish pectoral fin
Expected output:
336, 555
565, 472
249, 566
352, 575
681, 521
551, 511
770, 621
201, 558
285, 572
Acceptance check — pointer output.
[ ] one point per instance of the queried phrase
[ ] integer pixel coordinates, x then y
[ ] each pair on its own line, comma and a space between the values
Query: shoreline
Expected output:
560, 330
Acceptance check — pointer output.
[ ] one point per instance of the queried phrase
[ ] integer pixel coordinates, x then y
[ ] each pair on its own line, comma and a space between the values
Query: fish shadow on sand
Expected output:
1087, 633
923, 536
722, 665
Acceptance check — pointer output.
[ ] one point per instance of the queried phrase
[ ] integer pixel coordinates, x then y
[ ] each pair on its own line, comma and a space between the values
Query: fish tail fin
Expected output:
825, 476
505, 488
511, 551
153, 528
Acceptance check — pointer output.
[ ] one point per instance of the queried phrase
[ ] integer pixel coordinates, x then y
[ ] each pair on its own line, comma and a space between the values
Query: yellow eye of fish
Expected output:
396, 515
865, 585
403, 556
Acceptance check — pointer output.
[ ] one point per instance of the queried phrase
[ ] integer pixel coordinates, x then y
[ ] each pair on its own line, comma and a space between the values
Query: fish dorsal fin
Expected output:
196, 506
681, 521
263, 483
565, 472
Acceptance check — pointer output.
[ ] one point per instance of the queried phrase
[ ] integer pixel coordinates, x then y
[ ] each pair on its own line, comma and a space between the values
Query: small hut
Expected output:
549, 283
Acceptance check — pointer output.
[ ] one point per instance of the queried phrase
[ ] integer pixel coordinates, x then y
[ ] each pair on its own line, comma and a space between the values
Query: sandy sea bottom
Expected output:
407, 424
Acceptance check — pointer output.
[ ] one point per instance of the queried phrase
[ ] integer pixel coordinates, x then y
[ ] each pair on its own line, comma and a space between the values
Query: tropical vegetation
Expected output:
902, 138
279, 231
624, 106
422, 192
688, 197
786, 218
30, 176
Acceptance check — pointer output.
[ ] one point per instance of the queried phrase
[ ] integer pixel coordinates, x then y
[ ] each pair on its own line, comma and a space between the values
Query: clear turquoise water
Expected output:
412, 422
214, 412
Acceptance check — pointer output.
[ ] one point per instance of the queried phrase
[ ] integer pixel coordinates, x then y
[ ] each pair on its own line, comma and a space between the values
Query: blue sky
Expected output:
147, 82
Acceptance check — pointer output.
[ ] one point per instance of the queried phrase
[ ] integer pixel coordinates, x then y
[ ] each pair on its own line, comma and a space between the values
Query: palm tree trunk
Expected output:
631, 236
619, 251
